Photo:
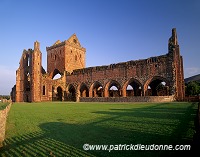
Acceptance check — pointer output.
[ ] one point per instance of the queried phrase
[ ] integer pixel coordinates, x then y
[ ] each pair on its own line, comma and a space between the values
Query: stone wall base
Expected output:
3, 118
129, 99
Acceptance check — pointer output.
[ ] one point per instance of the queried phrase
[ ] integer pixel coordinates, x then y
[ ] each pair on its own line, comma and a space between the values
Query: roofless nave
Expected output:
152, 79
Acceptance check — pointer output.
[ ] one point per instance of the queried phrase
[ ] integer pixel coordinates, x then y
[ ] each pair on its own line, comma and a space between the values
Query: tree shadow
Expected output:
116, 126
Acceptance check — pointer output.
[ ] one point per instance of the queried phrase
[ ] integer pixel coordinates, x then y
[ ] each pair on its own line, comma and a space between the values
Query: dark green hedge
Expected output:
3, 105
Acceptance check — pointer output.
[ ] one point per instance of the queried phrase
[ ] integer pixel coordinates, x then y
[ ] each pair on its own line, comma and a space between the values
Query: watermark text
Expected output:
132, 147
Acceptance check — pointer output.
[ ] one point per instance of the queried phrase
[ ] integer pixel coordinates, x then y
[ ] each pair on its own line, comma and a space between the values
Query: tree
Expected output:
192, 88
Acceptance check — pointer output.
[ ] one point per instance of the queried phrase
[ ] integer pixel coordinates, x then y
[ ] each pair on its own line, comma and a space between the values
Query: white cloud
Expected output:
7, 80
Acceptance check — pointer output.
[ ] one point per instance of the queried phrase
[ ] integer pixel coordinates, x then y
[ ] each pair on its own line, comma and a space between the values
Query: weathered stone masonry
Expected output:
3, 118
146, 78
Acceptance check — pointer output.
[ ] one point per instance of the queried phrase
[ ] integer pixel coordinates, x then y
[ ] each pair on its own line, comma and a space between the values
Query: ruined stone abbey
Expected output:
158, 78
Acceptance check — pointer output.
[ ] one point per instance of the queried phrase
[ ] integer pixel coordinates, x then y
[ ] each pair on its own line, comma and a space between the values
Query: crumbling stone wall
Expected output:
3, 118
141, 72
129, 99
65, 56
154, 76
28, 76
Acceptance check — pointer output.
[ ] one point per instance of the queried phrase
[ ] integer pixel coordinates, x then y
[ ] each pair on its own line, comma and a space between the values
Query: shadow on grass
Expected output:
116, 126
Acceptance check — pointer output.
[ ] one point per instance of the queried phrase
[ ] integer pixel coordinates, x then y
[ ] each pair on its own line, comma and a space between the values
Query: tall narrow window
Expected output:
28, 61
43, 90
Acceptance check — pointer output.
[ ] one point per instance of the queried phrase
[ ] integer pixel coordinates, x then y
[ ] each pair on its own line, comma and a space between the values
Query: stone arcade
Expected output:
157, 78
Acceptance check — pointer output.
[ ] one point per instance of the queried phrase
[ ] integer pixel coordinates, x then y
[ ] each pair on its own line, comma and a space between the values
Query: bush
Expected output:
3, 105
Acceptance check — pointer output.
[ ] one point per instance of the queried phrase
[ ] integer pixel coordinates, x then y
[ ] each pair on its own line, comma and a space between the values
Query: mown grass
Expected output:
3, 105
61, 129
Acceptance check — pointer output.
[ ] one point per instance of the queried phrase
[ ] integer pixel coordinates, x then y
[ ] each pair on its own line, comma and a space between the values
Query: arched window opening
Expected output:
28, 79
43, 90
84, 91
158, 87
59, 94
97, 90
162, 89
149, 91
114, 89
72, 93
56, 74
28, 61
129, 91
134, 89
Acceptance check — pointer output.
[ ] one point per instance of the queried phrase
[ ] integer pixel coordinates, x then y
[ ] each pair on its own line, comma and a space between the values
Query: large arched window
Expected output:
56, 74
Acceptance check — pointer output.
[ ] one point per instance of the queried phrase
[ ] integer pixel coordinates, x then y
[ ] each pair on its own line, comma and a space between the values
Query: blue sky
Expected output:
121, 30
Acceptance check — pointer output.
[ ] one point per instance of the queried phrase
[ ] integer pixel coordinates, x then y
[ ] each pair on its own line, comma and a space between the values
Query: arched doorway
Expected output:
84, 91
59, 95
72, 93
157, 87
134, 88
113, 89
97, 90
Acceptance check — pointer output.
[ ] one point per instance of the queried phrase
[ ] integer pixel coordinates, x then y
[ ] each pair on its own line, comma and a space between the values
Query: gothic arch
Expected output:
84, 90
71, 94
54, 73
112, 93
152, 85
136, 86
96, 89
59, 95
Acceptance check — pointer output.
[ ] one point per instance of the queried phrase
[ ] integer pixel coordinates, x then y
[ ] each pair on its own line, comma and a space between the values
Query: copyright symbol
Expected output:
86, 147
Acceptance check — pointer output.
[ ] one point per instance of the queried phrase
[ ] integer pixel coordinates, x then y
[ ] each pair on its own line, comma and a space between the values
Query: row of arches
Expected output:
155, 87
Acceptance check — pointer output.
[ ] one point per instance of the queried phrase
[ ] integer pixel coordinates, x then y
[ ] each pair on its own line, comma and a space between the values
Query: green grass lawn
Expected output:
61, 129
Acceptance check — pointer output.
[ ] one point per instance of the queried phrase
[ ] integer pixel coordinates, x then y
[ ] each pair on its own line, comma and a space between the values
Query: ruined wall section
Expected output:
68, 58
36, 73
75, 54
28, 75
46, 88
49, 87
56, 58
65, 56
142, 70
178, 73
23, 74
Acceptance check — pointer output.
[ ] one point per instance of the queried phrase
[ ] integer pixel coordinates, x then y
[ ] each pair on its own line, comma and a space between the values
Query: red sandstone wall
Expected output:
65, 57
130, 99
142, 70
